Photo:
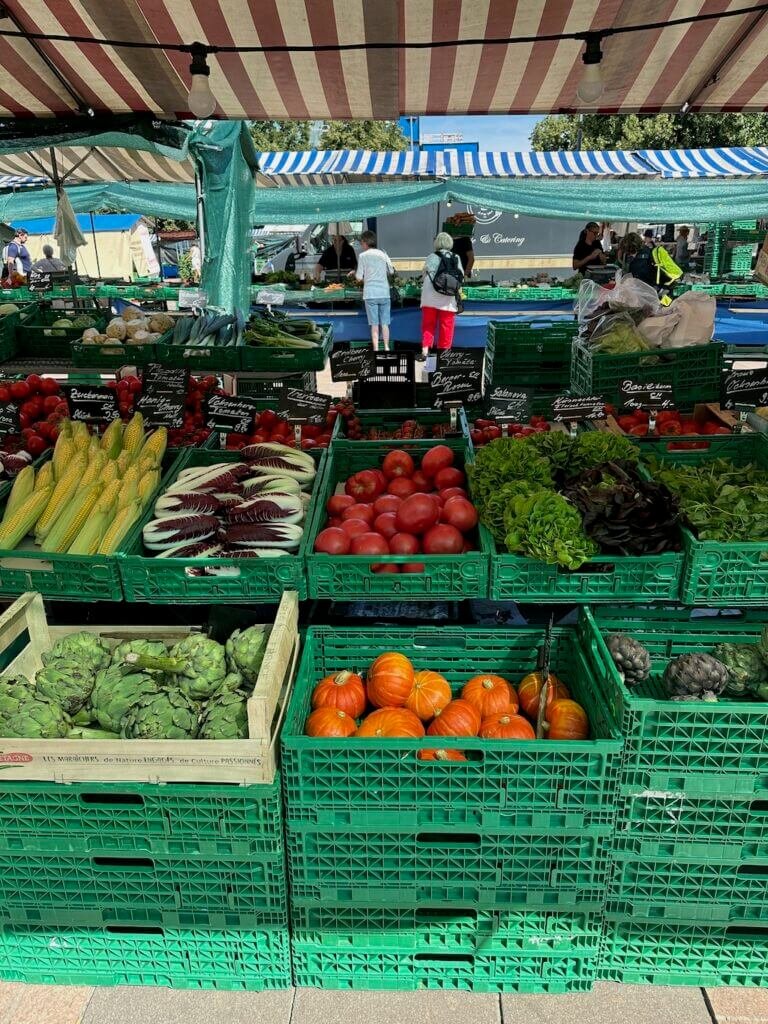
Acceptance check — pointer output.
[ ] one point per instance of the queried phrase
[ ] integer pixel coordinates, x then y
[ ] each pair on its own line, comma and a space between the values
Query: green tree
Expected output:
270, 136
650, 131
367, 134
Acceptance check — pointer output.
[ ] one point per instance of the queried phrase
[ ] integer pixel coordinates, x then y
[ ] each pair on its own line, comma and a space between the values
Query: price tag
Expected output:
9, 418
352, 363
232, 414
161, 378
568, 408
164, 396
270, 297
459, 376
39, 281
192, 297
636, 395
303, 406
745, 387
91, 403
507, 404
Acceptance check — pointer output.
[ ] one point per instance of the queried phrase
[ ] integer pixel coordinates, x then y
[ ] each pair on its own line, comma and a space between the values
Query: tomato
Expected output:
443, 540
491, 433
267, 418
369, 544
626, 423
536, 420
323, 440
283, 429
688, 426
385, 567
364, 486
358, 511
332, 541
449, 477
417, 514
337, 503
125, 408
670, 428
49, 386
50, 403
381, 478
481, 423
639, 430
401, 487
386, 503
478, 437
34, 381
134, 384
36, 445
412, 567
452, 492
385, 524
307, 443
460, 513
354, 527
404, 544
437, 458
311, 431
24, 421
20, 390
29, 409
397, 463
335, 521
421, 482
5, 395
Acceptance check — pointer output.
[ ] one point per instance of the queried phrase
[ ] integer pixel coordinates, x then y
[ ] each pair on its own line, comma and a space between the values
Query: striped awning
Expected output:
716, 65
707, 163
21, 181
98, 163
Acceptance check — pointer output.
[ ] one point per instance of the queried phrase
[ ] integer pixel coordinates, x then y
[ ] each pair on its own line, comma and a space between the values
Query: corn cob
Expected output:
71, 521
147, 486
109, 496
112, 439
94, 469
65, 429
88, 539
123, 462
94, 447
133, 438
146, 464
80, 436
17, 525
110, 473
62, 492
45, 476
63, 453
23, 486
121, 524
155, 445
129, 492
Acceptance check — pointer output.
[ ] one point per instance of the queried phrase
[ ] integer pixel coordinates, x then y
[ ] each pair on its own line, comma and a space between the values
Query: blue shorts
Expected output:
378, 312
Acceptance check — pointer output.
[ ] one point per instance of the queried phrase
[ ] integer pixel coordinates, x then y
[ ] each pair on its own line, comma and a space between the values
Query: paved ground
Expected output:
607, 1004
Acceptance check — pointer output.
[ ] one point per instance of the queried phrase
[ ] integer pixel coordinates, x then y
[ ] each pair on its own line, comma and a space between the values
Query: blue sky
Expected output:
490, 131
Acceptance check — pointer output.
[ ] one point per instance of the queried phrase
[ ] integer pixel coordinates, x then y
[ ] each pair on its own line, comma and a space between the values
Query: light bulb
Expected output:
449, 204
515, 215
202, 102
591, 84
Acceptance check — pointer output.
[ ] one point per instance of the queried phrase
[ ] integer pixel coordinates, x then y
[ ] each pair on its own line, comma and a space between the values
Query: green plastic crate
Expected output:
131, 955
377, 784
724, 574
200, 358
37, 339
169, 820
393, 419
287, 360
536, 355
350, 577
266, 386
9, 325
694, 372
112, 357
212, 580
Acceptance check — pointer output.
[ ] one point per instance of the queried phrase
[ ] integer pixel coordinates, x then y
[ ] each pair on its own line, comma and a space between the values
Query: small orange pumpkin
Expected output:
430, 694
344, 691
391, 722
390, 680
489, 694
566, 720
441, 755
529, 693
507, 725
329, 722
459, 718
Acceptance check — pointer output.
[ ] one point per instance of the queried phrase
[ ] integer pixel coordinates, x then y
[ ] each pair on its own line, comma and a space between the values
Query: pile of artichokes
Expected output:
140, 689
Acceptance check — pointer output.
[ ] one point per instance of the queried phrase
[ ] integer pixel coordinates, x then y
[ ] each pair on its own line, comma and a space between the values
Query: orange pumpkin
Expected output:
386, 722
489, 694
507, 725
529, 693
344, 691
441, 755
459, 718
430, 694
329, 722
566, 720
390, 680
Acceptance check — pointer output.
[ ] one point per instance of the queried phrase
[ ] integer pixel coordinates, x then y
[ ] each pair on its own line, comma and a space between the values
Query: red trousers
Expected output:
437, 324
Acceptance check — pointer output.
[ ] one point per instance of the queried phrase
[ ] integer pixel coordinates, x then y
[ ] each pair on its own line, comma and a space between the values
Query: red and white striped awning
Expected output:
79, 164
715, 65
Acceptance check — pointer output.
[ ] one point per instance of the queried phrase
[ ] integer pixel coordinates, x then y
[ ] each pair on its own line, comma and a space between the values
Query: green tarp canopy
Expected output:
151, 199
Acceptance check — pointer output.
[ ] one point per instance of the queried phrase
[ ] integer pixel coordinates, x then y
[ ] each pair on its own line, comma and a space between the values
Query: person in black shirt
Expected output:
588, 249
462, 246
338, 256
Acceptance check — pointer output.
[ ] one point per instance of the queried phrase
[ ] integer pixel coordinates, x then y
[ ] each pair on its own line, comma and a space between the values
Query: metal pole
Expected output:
57, 186
95, 246
159, 251
200, 217
579, 132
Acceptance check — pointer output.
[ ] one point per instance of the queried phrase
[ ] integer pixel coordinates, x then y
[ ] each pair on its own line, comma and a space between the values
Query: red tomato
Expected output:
385, 524
354, 527
422, 482
401, 487
478, 437
337, 503
397, 463
417, 514
34, 381
268, 418
308, 443
369, 544
332, 541
437, 458
639, 430
36, 445
491, 433
335, 521
24, 421
386, 567
364, 486
20, 390
381, 478
452, 492
460, 513
443, 540
364, 512
49, 403
412, 567
449, 477
310, 430
49, 386
386, 503
404, 544
5, 395
125, 408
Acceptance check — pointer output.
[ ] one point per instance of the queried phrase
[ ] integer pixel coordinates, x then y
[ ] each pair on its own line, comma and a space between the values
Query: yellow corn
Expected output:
133, 438
63, 453
129, 492
65, 429
121, 524
95, 468
17, 526
112, 439
147, 486
109, 496
62, 492
88, 539
80, 436
94, 447
110, 473
123, 462
45, 476
71, 521
23, 486
155, 445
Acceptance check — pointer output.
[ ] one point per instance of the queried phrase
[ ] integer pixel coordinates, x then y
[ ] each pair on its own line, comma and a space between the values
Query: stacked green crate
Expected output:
714, 250
129, 883
687, 900
485, 874
533, 355
740, 256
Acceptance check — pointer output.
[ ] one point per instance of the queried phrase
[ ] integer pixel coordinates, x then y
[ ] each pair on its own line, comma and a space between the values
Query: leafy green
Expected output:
543, 525
554, 445
594, 447
504, 461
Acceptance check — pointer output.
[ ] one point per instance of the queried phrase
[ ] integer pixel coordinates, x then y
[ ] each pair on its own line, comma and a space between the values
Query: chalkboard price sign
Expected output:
568, 408
9, 418
91, 403
161, 378
458, 377
40, 281
352, 364
745, 387
230, 413
507, 404
646, 395
304, 406
162, 409
460, 360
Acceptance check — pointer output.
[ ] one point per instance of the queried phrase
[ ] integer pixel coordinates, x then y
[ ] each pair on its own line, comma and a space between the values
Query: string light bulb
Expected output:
202, 102
591, 84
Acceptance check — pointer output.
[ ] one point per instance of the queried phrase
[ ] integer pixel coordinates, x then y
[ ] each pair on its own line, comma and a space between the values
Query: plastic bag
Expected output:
616, 334
632, 293
590, 298
696, 320
657, 330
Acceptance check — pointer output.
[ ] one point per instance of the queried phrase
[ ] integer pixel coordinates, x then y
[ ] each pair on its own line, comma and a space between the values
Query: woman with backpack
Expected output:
441, 282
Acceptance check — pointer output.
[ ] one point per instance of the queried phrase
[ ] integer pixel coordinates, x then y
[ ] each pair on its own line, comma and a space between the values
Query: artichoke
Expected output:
167, 715
630, 657
15, 691
85, 649
84, 733
245, 652
37, 719
747, 672
67, 683
197, 665
114, 692
695, 677
152, 648
225, 718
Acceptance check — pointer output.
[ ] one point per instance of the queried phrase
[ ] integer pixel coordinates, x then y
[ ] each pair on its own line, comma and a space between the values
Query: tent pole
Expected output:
159, 251
95, 246
57, 186
200, 216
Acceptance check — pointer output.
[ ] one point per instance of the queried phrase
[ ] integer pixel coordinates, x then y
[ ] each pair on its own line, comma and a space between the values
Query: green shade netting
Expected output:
151, 199
125, 132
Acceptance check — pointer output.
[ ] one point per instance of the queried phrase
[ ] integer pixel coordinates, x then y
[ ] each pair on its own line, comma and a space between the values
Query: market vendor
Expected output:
588, 250
462, 246
338, 256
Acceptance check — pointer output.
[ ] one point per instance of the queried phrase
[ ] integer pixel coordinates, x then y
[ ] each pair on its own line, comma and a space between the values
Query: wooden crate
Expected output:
25, 634
702, 412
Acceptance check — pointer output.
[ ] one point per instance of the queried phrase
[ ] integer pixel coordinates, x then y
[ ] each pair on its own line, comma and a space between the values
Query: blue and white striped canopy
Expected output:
325, 167
21, 181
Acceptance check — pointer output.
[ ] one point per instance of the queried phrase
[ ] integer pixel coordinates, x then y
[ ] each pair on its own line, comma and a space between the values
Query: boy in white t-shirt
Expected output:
374, 268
